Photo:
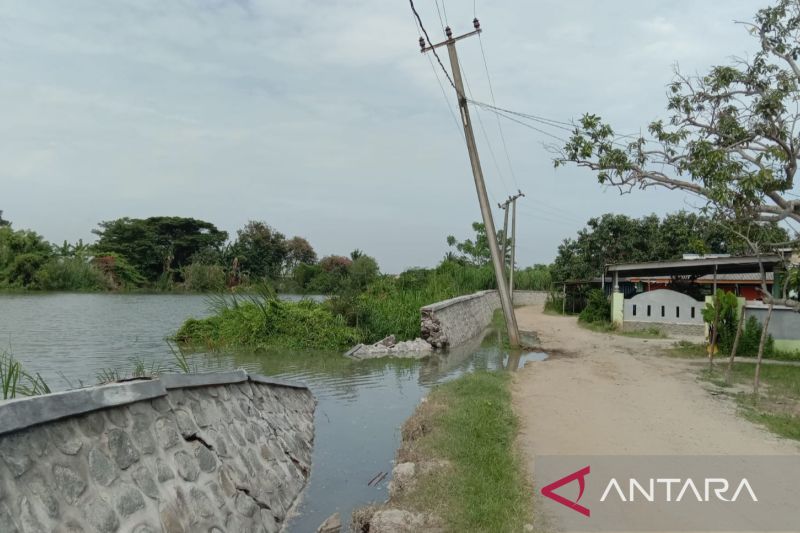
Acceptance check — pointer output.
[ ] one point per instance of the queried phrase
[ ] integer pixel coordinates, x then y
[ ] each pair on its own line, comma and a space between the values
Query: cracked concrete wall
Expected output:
224, 457
457, 320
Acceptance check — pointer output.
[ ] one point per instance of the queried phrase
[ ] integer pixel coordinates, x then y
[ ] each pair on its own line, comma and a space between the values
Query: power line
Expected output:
439, 82
568, 126
542, 207
543, 132
499, 125
444, 9
430, 43
439, 13
485, 135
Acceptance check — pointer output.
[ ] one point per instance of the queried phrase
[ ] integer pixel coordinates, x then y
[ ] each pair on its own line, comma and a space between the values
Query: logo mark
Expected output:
580, 476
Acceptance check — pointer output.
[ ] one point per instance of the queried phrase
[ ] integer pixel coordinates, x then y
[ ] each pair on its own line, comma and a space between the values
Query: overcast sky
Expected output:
322, 118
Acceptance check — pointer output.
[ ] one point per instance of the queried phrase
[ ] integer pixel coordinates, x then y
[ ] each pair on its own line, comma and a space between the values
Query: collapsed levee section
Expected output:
457, 320
184, 453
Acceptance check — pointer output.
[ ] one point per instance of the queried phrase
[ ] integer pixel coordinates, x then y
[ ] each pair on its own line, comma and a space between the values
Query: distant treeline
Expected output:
169, 253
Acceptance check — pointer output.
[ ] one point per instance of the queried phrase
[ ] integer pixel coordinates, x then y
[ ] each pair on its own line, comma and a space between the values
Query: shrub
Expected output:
22, 270
262, 323
117, 271
69, 274
202, 277
728, 318
598, 308
751, 338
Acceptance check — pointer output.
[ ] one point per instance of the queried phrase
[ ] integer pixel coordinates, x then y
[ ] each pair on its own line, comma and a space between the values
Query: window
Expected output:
663, 311
634, 309
648, 310
692, 312
677, 312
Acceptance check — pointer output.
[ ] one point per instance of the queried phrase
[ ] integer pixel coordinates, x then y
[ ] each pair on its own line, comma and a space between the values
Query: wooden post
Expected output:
729, 372
761, 344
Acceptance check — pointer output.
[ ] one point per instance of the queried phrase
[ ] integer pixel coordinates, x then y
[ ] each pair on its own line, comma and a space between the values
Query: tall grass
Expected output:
14, 380
390, 306
262, 321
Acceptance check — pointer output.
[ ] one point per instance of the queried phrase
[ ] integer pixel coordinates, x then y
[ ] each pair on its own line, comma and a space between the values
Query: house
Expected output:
670, 295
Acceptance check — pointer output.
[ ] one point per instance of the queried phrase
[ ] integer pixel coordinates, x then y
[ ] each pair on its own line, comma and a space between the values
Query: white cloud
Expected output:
322, 117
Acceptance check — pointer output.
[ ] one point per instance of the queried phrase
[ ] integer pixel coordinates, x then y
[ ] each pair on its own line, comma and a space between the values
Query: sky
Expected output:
322, 118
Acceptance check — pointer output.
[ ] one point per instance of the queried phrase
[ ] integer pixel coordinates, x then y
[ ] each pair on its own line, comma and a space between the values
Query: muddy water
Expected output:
71, 338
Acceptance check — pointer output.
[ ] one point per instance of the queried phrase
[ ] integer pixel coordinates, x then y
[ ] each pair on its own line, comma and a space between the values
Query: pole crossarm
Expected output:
428, 48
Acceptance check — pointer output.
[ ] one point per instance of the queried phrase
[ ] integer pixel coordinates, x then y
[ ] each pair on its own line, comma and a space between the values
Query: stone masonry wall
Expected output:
685, 330
184, 453
454, 321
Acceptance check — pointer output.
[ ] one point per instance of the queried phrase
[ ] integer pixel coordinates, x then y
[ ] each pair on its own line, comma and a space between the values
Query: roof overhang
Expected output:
698, 267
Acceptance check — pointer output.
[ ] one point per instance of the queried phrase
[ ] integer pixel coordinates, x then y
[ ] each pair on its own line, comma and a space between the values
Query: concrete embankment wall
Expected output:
217, 453
454, 321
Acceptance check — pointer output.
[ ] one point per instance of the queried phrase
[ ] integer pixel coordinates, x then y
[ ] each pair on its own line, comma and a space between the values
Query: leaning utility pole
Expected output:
513, 240
480, 186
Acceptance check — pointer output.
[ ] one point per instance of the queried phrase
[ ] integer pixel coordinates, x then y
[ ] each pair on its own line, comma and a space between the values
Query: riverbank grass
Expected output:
469, 426
262, 323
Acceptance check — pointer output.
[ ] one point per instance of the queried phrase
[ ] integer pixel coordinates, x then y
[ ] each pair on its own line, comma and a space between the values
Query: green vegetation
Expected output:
470, 424
649, 333
365, 306
728, 150
262, 321
597, 310
139, 368
14, 380
728, 321
778, 407
620, 239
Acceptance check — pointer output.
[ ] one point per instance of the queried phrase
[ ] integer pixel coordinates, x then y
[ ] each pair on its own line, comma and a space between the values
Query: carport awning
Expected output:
697, 267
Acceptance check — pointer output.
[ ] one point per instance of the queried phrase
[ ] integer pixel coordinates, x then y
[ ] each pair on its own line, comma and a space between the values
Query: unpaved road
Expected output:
605, 394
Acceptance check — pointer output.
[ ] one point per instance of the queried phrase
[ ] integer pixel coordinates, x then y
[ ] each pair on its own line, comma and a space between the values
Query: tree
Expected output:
621, 239
22, 253
260, 249
475, 252
3, 222
157, 246
363, 271
299, 251
733, 137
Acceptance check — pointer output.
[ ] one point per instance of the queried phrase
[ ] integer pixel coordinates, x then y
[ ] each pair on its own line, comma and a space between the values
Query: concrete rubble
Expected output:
389, 347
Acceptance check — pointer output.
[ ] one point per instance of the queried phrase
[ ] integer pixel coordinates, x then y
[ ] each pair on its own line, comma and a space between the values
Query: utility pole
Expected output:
513, 240
477, 173
504, 241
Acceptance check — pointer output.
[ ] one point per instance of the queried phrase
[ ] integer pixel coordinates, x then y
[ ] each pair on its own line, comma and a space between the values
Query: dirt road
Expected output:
610, 394
605, 394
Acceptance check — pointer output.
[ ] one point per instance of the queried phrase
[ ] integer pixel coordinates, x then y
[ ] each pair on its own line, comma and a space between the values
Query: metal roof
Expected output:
697, 267
751, 277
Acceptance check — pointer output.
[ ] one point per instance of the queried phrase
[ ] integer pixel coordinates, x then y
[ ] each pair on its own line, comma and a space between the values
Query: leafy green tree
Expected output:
261, 250
614, 238
363, 271
157, 246
3, 222
474, 251
299, 252
732, 138
22, 253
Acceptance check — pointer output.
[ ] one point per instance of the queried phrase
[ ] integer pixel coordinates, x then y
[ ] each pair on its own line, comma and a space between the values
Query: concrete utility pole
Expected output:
480, 186
504, 241
513, 201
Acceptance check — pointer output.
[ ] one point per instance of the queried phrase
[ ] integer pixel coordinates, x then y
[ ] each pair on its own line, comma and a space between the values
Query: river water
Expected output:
70, 339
